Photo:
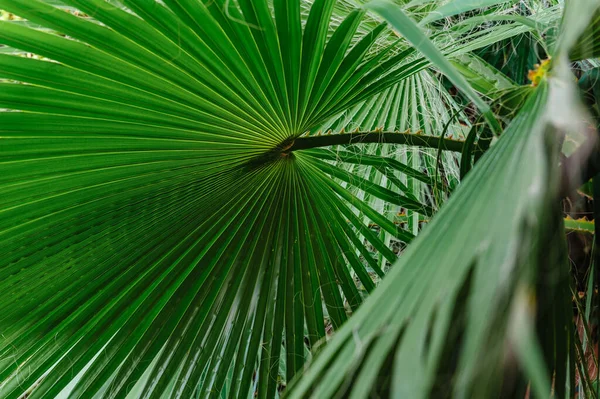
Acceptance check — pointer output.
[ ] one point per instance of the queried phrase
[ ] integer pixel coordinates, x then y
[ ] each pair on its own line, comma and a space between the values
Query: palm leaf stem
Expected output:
412, 139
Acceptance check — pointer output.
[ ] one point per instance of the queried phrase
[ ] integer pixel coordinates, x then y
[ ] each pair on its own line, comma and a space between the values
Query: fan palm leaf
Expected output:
186, 121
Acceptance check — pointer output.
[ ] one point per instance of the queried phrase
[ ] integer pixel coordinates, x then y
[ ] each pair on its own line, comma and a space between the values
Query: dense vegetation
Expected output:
299, 198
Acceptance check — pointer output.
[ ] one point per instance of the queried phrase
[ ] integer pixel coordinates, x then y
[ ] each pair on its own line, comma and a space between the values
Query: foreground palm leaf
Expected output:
154, 227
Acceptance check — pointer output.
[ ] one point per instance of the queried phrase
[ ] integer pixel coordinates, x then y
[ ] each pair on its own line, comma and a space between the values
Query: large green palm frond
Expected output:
153, 226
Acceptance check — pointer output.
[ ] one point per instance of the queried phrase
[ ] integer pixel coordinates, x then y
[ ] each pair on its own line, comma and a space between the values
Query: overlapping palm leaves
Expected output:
154, 228
415, 346
457, 319
152, 224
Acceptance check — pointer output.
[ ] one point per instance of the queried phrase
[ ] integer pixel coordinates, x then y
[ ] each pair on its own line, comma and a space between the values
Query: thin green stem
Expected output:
411, 139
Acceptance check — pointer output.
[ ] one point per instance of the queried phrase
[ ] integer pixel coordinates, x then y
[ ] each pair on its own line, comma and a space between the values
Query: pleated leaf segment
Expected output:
416, 108
157, 234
